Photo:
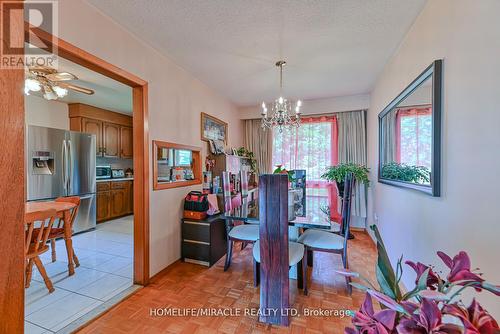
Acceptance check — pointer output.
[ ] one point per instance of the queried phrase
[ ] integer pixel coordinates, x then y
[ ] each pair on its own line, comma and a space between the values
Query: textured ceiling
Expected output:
333, 47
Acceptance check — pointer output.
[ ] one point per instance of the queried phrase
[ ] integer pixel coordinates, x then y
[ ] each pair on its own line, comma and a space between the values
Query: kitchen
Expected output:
79, 148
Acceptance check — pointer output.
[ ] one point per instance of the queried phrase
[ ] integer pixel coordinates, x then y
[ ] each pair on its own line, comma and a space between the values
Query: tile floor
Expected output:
106, 267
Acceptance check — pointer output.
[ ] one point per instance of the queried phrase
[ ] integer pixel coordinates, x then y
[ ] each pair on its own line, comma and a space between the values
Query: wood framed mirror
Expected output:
175, 165
410, 135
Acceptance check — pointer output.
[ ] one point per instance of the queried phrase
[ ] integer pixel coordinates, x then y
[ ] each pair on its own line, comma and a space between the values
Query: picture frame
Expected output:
212, 128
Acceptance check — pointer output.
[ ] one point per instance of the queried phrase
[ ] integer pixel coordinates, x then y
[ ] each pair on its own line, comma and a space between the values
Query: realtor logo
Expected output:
40, 20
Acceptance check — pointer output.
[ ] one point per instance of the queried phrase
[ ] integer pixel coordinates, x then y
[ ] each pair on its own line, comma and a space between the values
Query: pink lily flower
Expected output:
475, 319
367, 321
460, 269
427, 321
420, 268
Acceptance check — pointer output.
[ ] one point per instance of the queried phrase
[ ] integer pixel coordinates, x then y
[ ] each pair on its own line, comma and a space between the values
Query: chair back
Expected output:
72, 199
35, 239
346, 205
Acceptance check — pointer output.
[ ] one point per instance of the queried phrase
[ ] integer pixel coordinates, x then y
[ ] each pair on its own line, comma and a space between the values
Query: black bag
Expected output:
196, 201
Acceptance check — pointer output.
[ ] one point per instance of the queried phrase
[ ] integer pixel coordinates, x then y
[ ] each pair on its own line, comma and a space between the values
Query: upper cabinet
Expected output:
113, 131
126, 142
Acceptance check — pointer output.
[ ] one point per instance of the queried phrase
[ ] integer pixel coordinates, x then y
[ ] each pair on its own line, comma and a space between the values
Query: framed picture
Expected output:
213, 128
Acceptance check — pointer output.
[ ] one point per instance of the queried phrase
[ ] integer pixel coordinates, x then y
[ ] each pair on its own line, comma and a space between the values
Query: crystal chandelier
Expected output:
281, 109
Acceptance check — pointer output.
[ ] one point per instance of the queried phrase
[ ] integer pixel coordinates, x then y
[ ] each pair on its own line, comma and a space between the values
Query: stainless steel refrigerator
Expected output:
63, 163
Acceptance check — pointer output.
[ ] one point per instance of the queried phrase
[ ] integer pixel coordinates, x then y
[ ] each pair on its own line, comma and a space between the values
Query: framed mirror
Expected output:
410, 135
175, 165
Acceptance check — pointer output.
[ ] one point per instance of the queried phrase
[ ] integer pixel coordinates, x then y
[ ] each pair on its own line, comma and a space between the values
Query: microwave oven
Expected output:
103, 172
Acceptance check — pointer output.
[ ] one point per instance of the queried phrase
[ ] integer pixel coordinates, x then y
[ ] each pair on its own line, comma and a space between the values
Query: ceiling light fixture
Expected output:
60, 92
281, 109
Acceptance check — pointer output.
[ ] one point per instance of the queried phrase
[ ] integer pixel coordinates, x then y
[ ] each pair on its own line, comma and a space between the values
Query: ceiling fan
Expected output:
51, 83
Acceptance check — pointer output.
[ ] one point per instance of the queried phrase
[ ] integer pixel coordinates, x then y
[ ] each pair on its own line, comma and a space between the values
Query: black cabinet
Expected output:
203, 241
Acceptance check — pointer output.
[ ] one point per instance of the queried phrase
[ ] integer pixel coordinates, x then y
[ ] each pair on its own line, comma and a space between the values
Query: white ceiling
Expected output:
109, 94
333, 47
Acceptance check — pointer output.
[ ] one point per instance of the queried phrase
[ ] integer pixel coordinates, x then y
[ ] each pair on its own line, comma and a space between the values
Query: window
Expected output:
312, 147
414, 136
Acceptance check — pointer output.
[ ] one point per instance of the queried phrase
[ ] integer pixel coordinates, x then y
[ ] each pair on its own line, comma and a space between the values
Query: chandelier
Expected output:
281, 109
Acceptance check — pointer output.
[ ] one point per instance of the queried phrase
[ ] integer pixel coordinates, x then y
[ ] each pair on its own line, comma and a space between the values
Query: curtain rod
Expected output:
316, 115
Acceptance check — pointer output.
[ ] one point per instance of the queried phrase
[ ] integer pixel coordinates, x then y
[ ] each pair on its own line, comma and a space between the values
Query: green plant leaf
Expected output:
491, 288
385, 286
359, 286
384, 265
422, 281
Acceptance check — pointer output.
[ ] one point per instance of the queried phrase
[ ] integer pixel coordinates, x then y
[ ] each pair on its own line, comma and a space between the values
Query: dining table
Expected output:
63, 210
248, 212
269, 211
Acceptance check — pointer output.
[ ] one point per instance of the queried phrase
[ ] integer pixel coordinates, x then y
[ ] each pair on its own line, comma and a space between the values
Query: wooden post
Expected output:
273, 216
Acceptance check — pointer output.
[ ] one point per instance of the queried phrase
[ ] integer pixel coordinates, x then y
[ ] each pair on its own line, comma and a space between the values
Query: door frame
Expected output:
140, 133
12, 162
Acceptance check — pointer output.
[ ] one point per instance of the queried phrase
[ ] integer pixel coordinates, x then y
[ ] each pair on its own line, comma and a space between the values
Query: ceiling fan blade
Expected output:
77, 88
61, 76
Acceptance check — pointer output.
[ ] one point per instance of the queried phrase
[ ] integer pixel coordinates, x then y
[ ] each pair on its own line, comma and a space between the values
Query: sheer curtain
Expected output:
352, 148
260, 143
313, 147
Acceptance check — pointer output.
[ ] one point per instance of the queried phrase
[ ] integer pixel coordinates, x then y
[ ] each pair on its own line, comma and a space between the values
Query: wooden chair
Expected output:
324, 241
36, 243
58, 229
244, 233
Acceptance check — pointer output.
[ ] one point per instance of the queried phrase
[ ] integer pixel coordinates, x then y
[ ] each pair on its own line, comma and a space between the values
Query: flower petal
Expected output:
386, 318
367, 306
347, 272
430, 314
433, 295
387, 301
446, 259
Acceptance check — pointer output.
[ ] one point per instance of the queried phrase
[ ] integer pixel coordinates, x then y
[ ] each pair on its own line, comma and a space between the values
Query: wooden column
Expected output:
273, 216
12, 185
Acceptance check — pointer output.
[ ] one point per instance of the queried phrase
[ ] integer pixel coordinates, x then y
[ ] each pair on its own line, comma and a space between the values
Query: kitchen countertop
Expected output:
114, 180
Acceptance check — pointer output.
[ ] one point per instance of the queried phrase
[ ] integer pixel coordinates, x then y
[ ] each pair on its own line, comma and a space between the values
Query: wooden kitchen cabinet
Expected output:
113, 131
103, 206
94, 127
126, 142
111, 140
114, 199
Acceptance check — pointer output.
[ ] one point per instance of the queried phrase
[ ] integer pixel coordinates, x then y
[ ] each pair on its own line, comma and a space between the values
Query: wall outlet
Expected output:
375, 217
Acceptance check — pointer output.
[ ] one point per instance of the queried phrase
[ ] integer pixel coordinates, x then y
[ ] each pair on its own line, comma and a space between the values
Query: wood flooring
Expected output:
185, 285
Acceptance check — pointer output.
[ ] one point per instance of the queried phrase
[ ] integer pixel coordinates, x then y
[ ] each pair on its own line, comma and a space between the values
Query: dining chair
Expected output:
58, 229
36, 243
324, 241
244, 233
295, 256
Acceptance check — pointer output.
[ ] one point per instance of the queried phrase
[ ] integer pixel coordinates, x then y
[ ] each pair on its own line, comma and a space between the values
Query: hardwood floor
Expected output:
185, 285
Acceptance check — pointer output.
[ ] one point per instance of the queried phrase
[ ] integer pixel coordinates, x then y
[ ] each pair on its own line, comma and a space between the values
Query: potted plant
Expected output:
243, 152
404, 172
432, 306
337, 174
282, 170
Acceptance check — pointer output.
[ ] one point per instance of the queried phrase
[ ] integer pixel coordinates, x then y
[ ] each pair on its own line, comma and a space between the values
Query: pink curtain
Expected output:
313, 147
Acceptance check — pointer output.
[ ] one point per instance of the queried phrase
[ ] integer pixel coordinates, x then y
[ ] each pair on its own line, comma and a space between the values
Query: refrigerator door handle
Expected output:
64, 167
70, 163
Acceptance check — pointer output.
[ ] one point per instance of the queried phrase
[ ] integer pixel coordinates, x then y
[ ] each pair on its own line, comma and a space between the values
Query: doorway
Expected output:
12, 293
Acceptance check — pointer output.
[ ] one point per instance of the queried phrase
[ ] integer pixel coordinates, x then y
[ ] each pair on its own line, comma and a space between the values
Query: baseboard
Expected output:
164, 270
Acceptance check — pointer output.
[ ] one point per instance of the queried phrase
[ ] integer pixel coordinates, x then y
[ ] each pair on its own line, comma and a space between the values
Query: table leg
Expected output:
68, 241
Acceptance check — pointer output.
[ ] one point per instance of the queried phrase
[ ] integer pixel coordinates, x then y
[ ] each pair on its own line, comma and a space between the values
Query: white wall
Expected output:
41, 112
318, 106
176, 100
466, 34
